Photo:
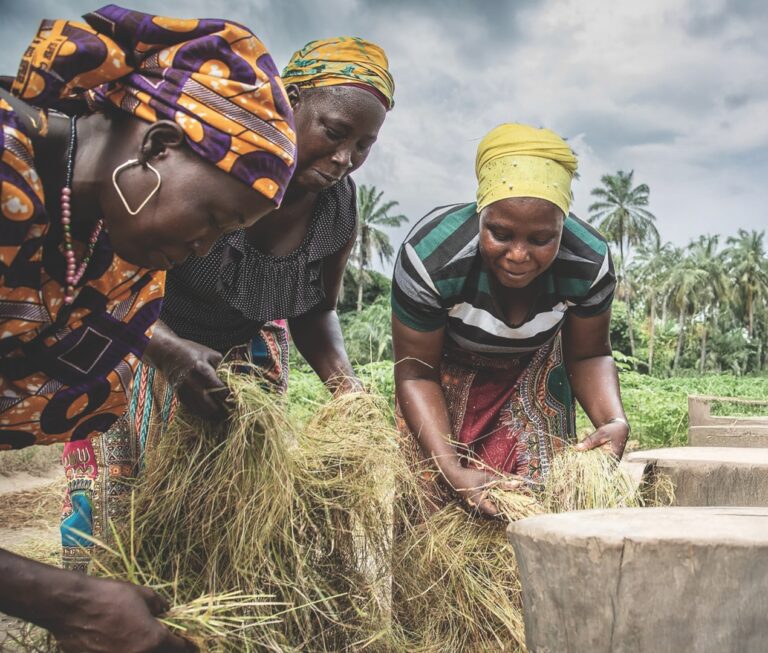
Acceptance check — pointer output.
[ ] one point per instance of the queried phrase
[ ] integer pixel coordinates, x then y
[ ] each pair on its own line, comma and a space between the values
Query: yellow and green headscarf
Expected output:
342, 61
515, 160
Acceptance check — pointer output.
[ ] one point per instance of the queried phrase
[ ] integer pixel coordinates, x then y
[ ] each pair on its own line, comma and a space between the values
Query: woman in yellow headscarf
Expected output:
501, 312
290, 265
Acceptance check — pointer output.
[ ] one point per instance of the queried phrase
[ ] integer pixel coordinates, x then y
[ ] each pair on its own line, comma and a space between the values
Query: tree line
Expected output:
700, 307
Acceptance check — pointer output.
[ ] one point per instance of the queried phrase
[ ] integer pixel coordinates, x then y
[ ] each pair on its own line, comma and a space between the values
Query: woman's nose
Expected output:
343, 157
518, 253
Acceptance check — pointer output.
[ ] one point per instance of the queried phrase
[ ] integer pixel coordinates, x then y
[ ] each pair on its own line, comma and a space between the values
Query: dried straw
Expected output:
36, 507
271, 534
299, 512
456, 578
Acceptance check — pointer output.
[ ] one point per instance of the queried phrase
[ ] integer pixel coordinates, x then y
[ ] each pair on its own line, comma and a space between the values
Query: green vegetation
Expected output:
371, 239
657, 407
620, 214
701, 307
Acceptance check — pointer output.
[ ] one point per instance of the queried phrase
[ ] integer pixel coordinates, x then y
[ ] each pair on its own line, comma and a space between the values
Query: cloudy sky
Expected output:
673, 89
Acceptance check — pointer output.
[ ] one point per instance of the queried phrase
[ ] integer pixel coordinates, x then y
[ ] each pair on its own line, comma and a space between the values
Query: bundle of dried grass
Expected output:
579, 480
456, 586
456, 578
282, 531
204, 621
302, 513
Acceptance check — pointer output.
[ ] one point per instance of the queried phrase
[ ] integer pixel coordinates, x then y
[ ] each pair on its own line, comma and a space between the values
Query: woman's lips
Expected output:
518, 274
328, 179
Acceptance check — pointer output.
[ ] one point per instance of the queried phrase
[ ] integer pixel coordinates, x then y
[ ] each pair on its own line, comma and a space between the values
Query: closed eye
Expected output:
333, 134
214, 225
364, 147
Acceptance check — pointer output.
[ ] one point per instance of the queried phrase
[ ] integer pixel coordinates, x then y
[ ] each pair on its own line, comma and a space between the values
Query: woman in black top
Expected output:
289, 266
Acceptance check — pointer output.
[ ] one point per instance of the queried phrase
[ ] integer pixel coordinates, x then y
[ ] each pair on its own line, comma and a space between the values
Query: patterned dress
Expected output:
506, 387
64, 370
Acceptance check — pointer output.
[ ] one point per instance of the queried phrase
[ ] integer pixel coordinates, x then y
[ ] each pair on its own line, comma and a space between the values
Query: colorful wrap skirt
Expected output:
509, 414
100, 471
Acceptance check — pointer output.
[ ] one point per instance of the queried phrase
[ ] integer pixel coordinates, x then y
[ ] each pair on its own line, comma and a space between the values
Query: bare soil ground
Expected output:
31, 497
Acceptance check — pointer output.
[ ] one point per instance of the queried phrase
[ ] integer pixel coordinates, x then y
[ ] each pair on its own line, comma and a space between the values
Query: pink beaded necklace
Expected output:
74, 272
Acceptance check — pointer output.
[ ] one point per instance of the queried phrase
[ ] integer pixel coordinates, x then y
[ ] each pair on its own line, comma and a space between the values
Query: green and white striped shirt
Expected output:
440, 281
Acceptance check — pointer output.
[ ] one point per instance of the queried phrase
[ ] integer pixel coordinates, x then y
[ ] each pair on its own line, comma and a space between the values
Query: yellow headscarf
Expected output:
515, 160
339, 61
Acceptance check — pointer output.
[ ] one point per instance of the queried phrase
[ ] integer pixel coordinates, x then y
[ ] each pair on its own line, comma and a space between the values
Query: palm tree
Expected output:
705, 257
651, 267
685, 280
749, 269
620, 213
370, 238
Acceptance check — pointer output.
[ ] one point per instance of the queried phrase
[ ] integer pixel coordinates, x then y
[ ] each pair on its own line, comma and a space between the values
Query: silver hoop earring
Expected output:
128, 164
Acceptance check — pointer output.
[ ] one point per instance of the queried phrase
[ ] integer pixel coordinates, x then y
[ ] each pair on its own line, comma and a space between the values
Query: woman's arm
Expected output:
85, 615
422, 402
595, 380
317, 334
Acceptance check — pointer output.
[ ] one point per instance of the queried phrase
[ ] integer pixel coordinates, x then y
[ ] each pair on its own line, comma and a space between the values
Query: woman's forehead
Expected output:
523, 211
346, 102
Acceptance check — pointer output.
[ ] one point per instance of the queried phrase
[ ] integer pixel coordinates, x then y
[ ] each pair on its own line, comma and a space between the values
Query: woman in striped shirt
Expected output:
501, 314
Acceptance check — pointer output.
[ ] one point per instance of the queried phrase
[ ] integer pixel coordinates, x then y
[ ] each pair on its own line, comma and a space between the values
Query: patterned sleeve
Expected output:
599, 297
64, 371
23, 225
416, 301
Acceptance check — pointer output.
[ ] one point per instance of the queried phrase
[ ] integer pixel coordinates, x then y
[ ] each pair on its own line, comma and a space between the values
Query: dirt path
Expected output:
29, 526
23, 481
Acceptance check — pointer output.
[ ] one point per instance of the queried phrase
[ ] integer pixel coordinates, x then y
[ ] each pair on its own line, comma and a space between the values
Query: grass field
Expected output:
657, 407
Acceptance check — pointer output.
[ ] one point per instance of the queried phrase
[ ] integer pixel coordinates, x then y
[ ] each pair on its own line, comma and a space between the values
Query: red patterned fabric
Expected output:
510, 414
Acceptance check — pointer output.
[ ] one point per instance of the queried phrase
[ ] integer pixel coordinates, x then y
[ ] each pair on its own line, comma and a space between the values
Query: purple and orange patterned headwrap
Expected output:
212, 77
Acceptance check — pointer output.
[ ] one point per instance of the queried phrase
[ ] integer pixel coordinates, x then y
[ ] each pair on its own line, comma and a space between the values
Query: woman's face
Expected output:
520, 238
195, 204
336, 127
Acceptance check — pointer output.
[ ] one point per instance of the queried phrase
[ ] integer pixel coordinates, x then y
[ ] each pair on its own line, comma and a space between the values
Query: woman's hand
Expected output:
190, 368
107, 616
342, 385
472, 486
85, 614
612, 436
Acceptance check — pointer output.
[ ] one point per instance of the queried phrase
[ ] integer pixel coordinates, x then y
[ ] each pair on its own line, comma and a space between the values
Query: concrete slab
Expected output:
709, 476
665, 580
707, 430
717, 436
